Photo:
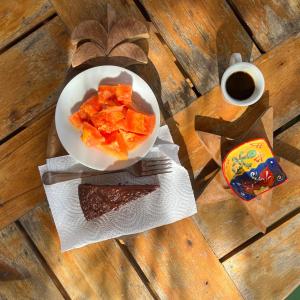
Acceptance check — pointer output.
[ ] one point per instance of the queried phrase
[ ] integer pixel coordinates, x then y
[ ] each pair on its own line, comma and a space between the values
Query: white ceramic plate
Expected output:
78, 89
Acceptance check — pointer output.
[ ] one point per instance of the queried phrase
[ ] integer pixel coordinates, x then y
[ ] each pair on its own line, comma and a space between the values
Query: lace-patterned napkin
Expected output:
173, 201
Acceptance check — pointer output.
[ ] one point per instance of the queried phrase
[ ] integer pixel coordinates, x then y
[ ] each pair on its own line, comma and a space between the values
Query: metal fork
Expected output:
146, 167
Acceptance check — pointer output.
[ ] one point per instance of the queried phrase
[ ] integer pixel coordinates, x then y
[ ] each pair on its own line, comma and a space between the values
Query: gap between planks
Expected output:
244, 25
137, 268
42, 260
145, 14
259, 235
27, 33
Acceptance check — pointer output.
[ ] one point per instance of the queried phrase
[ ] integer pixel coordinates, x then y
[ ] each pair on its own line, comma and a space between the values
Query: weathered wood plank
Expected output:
226, 224
32, 280
37, 65
20, 205
161, 73
202, 35
271, 21
269, 268
179, 263
18, 17
20, 157
172, 88
98, 271
281, 68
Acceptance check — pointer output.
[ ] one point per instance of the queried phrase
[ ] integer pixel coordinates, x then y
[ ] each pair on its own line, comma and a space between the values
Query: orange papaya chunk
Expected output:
107, 94
76, 121
139, 123
91, 136
123, 94
89, 108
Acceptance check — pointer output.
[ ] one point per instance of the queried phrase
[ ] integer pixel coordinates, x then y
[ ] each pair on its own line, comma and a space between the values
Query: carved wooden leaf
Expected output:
111, 17
85, 52
126, 30
131, 51
90, 30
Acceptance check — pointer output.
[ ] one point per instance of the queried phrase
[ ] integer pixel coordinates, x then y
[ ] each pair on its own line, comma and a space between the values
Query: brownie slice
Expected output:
96, 200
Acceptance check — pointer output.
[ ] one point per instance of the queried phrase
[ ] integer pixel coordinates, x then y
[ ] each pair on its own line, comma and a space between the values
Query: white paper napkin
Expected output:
173, 201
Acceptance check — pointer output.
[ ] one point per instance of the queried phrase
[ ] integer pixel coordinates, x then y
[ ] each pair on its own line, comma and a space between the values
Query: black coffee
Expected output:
240, 86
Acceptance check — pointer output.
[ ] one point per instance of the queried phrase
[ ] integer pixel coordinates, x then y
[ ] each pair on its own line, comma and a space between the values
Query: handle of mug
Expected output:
235, 58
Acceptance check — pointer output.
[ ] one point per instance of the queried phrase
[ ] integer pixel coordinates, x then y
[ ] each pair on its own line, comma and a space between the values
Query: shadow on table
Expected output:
227, 43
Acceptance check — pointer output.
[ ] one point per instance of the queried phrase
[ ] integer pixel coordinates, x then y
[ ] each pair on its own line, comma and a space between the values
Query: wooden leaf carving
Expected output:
126, 30
90, 30
85, 52
131, 51
111, 17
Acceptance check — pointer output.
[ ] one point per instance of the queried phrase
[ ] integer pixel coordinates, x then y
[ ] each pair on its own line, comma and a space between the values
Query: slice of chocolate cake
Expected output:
96, 200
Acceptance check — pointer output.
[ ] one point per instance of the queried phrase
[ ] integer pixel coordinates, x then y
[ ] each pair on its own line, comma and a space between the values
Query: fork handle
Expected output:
52, 177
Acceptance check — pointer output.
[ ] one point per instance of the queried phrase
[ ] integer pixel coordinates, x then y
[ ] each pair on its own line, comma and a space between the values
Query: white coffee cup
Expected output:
237, 65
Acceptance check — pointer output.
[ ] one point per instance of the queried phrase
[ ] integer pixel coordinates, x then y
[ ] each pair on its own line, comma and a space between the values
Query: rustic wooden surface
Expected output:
36, 85
168, 83
18, 18
151, 264
270, 21
211, 218
282, 93
98, 271
174, 258
32, 282
202, 36
269, 268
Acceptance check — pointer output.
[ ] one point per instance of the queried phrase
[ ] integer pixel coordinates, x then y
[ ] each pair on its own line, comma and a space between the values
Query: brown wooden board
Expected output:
21, 274
171, 89
179, 263
270, 21
269, 268
20, 157
98, 271
281, 68
202, 36
31, 73
226, 224
161, 73
18, 17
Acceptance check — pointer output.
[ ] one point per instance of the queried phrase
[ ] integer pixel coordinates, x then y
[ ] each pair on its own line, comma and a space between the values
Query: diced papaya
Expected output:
91, 136
89, 108
107, 94
107, 119
122, 143
139, 123
123, 94
76, 121
132, 140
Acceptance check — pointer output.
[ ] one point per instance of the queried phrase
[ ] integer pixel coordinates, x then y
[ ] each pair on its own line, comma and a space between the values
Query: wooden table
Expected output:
217, 254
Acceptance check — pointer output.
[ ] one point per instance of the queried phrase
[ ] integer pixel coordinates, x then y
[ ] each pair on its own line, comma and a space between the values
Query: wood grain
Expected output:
18, 17
179, 263
20, 158
37, 65
161, 73
271, 21
98, 271
226, 224
202, 36
172, 89
280, 67
269, 268
34, 283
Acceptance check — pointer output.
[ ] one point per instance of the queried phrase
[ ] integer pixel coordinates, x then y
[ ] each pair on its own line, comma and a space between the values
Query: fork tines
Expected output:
156, 166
